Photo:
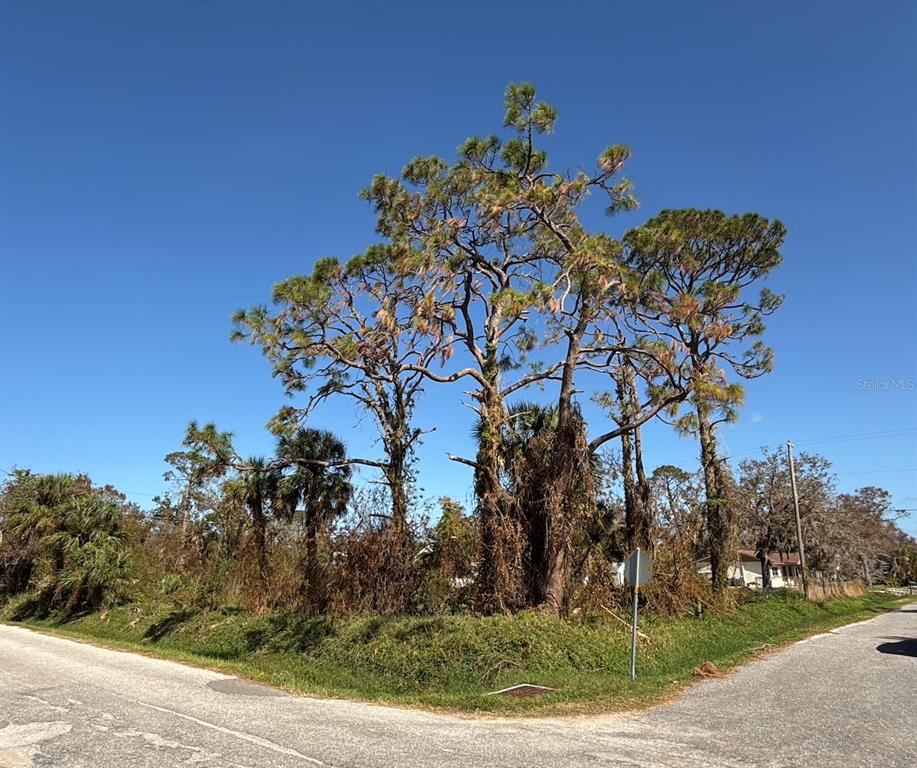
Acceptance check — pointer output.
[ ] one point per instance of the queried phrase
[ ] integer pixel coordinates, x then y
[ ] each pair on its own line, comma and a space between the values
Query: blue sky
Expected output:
165, 163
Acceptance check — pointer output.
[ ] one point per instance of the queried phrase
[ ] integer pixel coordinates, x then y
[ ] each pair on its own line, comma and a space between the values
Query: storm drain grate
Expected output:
523, 690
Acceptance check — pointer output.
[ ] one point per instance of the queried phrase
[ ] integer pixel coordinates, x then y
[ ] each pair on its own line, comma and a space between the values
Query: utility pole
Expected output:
802, 552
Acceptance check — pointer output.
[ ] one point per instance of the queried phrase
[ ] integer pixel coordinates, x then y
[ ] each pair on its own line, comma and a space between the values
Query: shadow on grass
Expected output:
159, 629
41, 607
287, 633
422, 627
34, 608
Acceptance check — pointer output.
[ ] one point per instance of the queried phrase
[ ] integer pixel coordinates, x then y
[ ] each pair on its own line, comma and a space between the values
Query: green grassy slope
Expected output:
450, 662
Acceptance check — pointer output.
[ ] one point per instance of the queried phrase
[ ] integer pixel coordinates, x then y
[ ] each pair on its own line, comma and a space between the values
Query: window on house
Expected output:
775, 571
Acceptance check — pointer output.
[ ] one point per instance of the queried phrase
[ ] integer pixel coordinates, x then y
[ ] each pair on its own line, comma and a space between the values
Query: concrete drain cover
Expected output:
239, 687
523, 690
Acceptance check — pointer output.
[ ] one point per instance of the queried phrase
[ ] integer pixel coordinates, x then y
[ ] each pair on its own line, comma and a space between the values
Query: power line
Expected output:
874, 471
862, 436
841, 438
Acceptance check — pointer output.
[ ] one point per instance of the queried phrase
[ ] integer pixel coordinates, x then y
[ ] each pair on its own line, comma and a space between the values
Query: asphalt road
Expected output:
847, 698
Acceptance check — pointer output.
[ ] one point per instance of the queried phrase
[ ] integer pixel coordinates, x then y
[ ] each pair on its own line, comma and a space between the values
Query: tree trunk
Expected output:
186, 526
637, 525
765, 569
631, 516
571, 488
535, 526
185, 530
564, 501
259, 533
494, 578
645, 529
397, 488
396, 476
557, 582
718, 523
399, 549
397, 453
316, 595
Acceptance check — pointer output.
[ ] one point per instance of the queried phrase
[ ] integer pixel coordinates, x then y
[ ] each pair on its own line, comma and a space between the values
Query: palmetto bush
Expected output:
96, 561
66, 540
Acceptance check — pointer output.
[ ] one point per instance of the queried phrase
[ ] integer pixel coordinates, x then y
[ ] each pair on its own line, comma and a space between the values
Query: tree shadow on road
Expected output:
905, 646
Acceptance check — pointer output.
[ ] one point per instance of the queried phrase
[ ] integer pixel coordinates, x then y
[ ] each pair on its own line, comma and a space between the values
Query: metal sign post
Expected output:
638, 569
633, 636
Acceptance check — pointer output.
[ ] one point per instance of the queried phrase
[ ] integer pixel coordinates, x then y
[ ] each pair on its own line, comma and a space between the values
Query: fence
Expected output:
820, 590
905, 591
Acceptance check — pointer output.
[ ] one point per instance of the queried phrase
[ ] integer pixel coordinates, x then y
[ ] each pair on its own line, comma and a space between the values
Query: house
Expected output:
746, 569
617, 573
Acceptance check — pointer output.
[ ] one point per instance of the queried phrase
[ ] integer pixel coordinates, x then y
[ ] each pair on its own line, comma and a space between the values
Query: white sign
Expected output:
638, 568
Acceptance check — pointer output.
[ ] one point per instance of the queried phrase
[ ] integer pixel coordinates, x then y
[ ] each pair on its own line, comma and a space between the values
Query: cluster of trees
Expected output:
486, 275
486, 279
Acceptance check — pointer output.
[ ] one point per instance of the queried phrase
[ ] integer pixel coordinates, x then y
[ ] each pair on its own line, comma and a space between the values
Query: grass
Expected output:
450, 662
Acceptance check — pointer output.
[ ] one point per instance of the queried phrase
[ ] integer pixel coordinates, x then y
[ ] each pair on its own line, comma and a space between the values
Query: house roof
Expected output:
776, 558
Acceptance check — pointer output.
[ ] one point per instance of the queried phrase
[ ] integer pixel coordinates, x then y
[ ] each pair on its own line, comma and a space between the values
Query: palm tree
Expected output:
257, 487
316, 491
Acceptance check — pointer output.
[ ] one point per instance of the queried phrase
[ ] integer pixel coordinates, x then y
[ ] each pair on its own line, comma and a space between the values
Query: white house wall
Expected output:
750, 574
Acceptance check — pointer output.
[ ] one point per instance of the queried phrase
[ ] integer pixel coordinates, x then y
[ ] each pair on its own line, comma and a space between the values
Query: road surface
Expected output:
847, 698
